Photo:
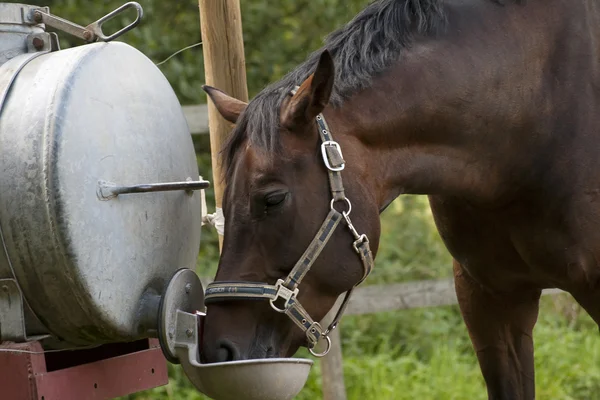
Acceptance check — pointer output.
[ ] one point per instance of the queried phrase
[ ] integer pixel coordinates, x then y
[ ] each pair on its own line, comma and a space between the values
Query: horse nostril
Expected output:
227, 351
270, 352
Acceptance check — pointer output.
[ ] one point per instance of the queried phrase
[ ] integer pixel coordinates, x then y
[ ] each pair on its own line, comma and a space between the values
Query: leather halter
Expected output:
287, 289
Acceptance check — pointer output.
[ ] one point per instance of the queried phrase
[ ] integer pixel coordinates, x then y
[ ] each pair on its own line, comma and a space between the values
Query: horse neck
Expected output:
451, 118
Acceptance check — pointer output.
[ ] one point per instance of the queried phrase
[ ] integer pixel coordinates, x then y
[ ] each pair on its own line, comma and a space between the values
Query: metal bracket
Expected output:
91, 33
183, 293
45, 42
12, 313
27, 14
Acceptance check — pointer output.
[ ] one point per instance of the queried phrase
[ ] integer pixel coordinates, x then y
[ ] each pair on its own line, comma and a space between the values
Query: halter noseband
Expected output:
287, 289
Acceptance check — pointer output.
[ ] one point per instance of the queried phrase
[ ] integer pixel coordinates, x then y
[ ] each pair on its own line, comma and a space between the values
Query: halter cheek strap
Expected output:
283, 295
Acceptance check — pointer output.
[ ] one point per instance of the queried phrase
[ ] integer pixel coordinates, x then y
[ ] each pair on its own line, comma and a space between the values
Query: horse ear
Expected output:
312, 96
229, 107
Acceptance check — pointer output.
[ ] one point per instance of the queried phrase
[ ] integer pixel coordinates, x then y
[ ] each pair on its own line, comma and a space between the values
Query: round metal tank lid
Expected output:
99, 112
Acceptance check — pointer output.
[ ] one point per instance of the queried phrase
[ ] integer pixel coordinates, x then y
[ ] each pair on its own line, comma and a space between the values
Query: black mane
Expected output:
363, 48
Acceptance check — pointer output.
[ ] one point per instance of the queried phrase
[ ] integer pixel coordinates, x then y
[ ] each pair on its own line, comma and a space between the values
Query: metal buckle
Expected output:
361, 240
284, 293
336, 145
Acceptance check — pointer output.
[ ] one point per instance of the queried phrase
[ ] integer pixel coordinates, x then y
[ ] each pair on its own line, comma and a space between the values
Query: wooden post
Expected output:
332, 365
225, 69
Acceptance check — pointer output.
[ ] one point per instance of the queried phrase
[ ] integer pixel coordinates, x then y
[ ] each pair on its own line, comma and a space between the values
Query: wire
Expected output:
177, 52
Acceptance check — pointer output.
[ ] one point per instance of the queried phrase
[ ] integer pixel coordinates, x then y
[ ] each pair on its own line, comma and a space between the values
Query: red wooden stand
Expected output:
104, 372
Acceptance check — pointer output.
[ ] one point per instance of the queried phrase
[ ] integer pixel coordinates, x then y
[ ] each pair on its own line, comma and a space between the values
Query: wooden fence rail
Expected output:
380, 298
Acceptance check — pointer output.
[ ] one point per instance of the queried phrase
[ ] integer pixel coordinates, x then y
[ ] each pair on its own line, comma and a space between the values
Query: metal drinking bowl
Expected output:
179, 332
264, 379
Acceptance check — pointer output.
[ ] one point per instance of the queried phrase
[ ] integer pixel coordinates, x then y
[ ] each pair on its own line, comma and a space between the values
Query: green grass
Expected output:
434, 359
426, 353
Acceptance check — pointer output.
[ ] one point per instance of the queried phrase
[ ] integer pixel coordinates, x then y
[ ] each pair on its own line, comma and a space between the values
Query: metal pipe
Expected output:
108, 190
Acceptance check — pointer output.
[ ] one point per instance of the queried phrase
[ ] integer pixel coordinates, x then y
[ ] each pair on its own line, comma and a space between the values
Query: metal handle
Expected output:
93, 31
96, 27
108, 190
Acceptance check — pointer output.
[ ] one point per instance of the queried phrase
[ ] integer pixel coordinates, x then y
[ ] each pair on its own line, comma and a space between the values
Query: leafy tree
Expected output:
278, 35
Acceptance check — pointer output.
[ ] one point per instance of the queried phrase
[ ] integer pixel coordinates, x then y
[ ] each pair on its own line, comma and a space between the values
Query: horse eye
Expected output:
275, 198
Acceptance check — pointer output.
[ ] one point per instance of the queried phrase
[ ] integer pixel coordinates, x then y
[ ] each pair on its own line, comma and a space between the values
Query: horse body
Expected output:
495, 119
537, 229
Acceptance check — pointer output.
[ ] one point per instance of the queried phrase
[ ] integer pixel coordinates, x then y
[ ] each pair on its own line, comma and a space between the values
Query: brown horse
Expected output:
491, 108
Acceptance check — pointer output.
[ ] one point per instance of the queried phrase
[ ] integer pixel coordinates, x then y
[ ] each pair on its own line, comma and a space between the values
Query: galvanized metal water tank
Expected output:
88, 264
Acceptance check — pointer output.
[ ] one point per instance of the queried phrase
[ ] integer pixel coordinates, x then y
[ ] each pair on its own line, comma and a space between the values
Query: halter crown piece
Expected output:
287, 289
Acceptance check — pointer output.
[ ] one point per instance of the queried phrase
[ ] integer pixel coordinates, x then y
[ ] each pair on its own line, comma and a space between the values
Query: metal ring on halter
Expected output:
314, 353
346, 213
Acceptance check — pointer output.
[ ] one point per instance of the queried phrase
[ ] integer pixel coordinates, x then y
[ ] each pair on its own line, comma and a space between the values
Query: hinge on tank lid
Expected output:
12, 313
91, 33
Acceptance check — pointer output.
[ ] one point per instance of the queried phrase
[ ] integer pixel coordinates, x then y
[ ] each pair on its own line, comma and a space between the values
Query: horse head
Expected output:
298, 220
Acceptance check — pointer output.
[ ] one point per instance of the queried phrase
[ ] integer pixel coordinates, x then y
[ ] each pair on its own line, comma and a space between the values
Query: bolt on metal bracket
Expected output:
46, 41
